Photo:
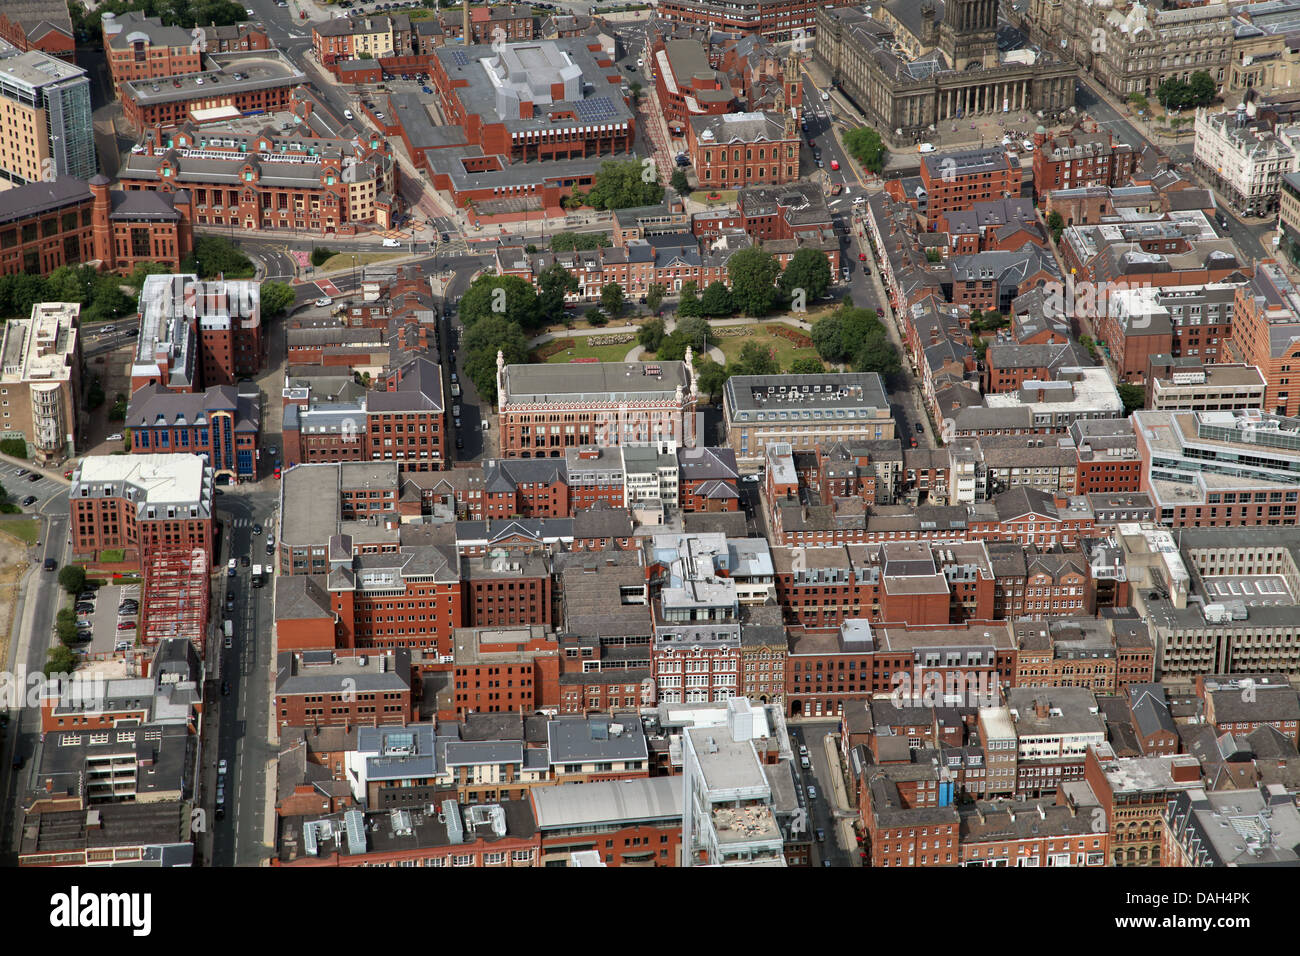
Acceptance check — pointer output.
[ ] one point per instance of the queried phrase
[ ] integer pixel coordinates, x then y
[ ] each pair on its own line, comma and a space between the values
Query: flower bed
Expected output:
728, 331
617, 338
800, 339
555, 345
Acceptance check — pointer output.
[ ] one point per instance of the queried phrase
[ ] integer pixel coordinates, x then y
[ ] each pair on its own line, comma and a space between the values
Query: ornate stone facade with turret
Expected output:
1134, 47
910, 67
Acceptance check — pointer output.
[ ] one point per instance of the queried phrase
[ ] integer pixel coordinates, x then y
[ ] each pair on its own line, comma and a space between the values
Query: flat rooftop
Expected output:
162, 479
731, 770
224, 75
604, 382
1258, 589
851, 394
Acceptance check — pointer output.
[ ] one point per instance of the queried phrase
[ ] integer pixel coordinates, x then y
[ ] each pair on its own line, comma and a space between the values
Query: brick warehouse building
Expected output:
66, 222
140, 503
405, 423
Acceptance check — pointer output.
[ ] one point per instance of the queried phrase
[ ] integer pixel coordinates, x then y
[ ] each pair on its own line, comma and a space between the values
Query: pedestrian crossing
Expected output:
241, 523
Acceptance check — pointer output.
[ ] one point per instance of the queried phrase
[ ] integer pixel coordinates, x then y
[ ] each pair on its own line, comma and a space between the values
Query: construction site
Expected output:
175, 597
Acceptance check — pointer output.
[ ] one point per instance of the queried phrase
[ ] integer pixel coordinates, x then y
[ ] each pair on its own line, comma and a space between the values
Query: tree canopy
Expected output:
620, 185
520, 300
481, 342
1176, 94
810, 270
753, 275
276, 298
864, 145
554, 283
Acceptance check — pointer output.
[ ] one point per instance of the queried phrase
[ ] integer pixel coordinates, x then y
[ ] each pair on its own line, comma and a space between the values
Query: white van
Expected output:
392, 244
925, 147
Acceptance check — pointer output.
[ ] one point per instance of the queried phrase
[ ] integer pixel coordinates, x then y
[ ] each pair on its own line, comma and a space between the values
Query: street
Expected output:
822, 814
242, 718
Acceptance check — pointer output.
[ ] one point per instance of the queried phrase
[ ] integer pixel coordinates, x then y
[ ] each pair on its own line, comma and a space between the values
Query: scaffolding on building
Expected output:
175, 596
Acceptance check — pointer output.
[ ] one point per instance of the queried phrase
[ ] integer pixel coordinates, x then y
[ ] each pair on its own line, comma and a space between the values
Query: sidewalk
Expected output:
844, 813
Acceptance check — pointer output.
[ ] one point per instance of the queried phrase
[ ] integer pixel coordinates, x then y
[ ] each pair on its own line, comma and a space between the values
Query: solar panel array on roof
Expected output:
460, 57
595, 109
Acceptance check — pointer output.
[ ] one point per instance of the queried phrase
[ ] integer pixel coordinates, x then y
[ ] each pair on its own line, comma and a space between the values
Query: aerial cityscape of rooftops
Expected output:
652, 433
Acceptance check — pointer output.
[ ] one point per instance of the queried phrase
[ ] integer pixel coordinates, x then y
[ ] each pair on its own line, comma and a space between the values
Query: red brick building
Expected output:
404, 423
686, 85
1080, 159
707, 479
66, 222
139, 504
595, 474
343, 689
141, 48
624, 822
502, 670
734, 150
506, 591
955, 181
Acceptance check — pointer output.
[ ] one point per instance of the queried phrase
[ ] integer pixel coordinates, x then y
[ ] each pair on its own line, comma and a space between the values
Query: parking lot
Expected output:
107, 635
21, 487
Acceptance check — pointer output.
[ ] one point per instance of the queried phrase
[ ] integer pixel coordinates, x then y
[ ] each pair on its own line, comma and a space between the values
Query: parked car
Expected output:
221, 767
33, 477
347, 115
323, 301
225, 691
116, 436
126, 626
277, 472
812, 792
244, 562
29, 501
23, 472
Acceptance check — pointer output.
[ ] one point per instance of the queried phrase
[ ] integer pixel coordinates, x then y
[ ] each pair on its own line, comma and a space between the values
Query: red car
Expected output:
835, 164
68, 473
126, 626
862, 257
277, 473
